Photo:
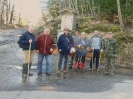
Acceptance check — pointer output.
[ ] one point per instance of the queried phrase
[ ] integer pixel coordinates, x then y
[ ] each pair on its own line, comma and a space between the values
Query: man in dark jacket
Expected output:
27, 38
65, 42
44, 47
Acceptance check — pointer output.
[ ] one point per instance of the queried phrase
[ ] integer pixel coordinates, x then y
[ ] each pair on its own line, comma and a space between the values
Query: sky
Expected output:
30, 9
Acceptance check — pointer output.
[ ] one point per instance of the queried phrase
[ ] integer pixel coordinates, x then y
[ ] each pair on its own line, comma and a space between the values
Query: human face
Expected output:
66, 31
83, 36
110, 36
76, 33
96, 32
46, 32
31, 30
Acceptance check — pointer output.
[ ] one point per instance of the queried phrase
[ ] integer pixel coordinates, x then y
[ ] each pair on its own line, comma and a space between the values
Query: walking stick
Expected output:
92, 59
99, 61
100, 58
57, 63
28, 64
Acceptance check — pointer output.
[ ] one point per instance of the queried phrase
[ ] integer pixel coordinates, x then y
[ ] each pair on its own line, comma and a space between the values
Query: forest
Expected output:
101, 15
112, 11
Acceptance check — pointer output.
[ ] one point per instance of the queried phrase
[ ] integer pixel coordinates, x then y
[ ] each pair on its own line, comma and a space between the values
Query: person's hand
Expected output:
60, 50
79, 46
51, 49
37, 51
93, 49
82, 47
30, 41
101, 51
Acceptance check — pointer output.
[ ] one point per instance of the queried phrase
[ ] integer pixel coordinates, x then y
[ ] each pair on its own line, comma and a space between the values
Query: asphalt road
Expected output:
87, 85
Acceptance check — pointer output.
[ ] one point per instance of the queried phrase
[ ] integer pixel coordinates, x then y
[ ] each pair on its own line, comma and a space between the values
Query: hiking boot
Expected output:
39, 73
70, 67
58, 71
64, 71
24, 75
106, 73
111, 74
30, 74
76, 65
82, 65
48, 73
97, 70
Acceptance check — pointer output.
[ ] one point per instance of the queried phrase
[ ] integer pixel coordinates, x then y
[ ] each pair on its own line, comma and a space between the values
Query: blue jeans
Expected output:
40, 62
61, 56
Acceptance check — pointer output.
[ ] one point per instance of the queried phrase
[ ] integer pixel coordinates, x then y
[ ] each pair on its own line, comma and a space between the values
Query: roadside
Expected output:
87, 85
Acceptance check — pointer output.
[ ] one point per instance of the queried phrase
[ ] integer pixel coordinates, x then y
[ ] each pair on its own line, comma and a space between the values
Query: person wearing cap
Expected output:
96, 45
64, 44
26, 39
81, 44
110, 49
75, 38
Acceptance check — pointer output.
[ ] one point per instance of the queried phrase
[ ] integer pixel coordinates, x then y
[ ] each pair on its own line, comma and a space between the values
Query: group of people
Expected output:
44, 45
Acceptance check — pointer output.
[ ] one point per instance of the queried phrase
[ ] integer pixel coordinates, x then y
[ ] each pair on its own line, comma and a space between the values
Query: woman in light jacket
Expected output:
81, 44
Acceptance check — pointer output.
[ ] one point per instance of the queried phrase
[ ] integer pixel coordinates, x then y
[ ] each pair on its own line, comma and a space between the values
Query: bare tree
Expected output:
1, 12
120, 15
12, 12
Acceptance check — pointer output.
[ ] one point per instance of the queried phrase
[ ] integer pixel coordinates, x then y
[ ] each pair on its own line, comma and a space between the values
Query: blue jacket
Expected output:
96, 42
24, 40
65, 43
82, 50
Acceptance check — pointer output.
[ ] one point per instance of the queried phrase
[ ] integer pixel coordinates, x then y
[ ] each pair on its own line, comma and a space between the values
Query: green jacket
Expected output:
110, 47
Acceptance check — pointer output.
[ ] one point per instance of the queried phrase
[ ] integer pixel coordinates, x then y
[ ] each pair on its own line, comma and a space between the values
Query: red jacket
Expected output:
44, 43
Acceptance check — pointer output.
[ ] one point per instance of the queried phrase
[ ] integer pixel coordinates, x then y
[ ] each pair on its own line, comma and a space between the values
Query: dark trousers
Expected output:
61, 56
72, 58
78, 58
96, 55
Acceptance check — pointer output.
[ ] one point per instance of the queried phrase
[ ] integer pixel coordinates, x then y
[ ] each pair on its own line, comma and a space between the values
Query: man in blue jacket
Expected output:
27, 38
65, 42
96, 46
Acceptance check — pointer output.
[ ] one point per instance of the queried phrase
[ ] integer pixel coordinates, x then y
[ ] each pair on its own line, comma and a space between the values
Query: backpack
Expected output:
19, 44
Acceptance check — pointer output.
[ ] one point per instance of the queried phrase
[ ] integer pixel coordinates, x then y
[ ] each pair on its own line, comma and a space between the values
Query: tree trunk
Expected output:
1, 12
120, 16
7, 11
12, 12
93, 8
90, 8
132, 12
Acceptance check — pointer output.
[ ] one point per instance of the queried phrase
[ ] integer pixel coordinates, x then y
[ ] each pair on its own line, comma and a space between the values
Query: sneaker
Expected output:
48, 73
39, 73
58, 72
70, 63
90, 69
